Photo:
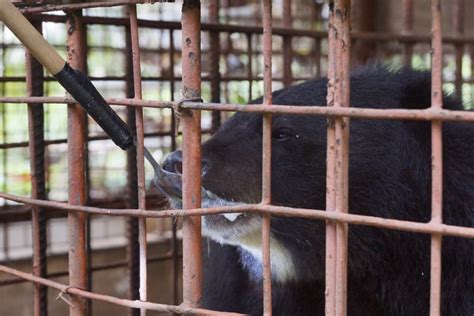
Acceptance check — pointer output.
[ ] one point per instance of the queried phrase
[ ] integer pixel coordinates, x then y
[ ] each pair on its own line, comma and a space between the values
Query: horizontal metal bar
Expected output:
66, 289
77, 6
354, 219
428, 114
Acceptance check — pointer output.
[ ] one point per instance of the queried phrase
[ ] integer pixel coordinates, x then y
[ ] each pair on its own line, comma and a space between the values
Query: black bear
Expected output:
390, 177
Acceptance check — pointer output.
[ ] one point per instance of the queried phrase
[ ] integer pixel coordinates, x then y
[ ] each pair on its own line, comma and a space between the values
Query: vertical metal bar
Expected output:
132, 181
407, 29
458, 29
287, 49
267, 155
437, 157
191, 61
140, 155
342, 99
87, 193
249, 66
214, 57
229, 48
330, 291
76, 44
174, 226
34, 86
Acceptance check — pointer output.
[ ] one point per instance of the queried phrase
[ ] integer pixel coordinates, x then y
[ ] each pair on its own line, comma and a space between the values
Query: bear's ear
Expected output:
416, 91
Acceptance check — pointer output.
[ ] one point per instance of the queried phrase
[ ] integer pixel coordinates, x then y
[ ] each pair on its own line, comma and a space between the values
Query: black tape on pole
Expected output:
80, 87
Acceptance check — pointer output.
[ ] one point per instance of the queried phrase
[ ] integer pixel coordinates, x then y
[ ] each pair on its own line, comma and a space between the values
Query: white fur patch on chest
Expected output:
282, 265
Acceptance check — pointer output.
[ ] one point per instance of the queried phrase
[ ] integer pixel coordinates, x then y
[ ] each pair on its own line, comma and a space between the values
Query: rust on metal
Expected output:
331, 233
191, 121
214, 57
76, 44
318, 110
267, 155
142, 242
426, 228
79, 6
133, 247
34, 86
174, 225
342, 99
436, 157
249, 66
133, 256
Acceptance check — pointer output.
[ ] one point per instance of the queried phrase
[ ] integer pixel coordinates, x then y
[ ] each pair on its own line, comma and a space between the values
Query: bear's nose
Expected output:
174, 163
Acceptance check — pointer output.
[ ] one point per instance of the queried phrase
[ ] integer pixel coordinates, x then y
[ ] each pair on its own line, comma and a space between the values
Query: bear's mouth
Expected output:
224, 228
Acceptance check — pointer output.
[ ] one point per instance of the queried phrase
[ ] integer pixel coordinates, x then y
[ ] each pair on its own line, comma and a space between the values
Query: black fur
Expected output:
389, 270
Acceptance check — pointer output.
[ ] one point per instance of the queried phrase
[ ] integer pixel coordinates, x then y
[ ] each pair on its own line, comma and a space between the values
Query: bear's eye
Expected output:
282, 133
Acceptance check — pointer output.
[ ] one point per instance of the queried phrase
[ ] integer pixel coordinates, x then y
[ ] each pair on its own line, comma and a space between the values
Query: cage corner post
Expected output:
191, 122
76, 44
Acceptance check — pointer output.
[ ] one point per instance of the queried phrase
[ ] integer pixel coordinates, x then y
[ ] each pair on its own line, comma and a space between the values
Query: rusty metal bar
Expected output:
428, 114
34, 86
74, 291
214, 58
172, 80
140, 155
133, 255
267, 155
13, 213
427, 228
342, 99
174, 226
458, 29
331, 229
191, 63
76, 44
78, 6
287, 48
249, 65
436, 157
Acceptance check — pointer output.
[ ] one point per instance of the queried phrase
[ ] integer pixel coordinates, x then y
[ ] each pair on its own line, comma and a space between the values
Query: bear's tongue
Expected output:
231, 216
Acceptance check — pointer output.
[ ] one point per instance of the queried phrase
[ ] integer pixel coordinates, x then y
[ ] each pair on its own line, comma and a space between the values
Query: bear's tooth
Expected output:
231, 216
